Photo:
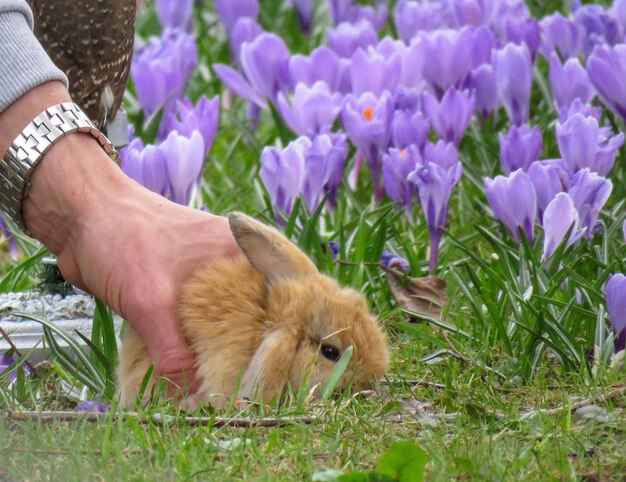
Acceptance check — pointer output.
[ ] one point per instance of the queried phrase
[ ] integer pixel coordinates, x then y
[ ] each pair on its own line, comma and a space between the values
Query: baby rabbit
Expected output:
263, 320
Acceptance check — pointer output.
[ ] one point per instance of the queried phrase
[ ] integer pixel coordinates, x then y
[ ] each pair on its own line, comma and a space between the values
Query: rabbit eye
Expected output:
331, 352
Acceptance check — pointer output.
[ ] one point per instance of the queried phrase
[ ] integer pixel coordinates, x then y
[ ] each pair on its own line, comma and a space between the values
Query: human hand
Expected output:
131, 248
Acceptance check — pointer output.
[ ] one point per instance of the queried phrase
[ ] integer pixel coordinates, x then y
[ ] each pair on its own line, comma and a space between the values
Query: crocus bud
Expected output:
549, 179
397, 165
514, 74
184, 157
160, 70
589, 193
346, 38
450, 117
408, 128
519, 148
434, 185
513, 200
449, 54
606, 67
616, 308
421, 16
560, 34
559, 217
569, 82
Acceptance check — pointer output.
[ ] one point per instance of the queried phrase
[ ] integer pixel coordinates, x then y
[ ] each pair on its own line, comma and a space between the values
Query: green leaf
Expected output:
404, 462
336, 374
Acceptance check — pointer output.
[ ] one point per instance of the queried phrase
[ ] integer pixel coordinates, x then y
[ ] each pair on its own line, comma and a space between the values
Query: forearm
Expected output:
70, 179
24, 63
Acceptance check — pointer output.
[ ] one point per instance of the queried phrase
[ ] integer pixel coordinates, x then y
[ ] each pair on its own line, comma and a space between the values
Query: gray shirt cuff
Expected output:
24, 63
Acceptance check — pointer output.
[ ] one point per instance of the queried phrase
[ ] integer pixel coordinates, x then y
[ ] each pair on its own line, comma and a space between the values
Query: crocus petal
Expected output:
238, 84
560, 215
616, 308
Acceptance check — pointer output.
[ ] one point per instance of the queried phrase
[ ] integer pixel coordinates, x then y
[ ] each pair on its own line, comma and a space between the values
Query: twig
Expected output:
587, 401
412, 383
353, 263
66, 452
5, 335
158, 419
456, 352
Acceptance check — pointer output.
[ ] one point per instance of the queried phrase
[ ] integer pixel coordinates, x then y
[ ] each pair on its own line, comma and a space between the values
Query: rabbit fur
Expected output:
262, 320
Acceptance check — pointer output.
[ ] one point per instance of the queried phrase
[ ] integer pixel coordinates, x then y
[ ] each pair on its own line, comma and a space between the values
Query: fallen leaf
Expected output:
424, 296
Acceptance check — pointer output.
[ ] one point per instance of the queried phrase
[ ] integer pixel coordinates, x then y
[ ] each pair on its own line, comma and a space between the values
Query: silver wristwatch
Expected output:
17, 165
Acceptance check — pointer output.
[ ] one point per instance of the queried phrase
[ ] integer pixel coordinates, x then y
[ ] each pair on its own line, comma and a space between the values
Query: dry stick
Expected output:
5, 335
587, 401
158, 419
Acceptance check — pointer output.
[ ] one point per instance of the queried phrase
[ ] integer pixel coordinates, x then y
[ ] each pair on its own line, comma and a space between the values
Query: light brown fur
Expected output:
259, 320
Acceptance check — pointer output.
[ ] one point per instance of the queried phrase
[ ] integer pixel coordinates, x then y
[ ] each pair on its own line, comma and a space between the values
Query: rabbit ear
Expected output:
269, 368
271, 253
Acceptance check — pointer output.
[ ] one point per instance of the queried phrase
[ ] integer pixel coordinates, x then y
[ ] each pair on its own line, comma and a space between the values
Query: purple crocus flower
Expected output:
443, 154
246, 29
397, 165
411, 18
513, 200
483, 42
589, 193
184, 157
519, 148
606, 67
483, 82
323, 64
524, 31
434, 185
347, 11
616, 308
569, 82
282, 172
390, 259
597, 27
409, 128
514, 75
559, 217
312, 110
203, 117
323, 165
160, 70
372, 72
5, 362
230, 11
12, 242
472, 12
450, 117
411, 61
449, 54
577, 107
583, 143
549, 179
367, 119
175, 13
264, 63
346, 38
304, 14
91, 406
560, 34
146, 165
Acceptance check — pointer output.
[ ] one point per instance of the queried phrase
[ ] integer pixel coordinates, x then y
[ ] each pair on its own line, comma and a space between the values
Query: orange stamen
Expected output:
368, 112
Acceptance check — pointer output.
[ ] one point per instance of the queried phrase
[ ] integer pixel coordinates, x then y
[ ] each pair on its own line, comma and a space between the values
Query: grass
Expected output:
486, 390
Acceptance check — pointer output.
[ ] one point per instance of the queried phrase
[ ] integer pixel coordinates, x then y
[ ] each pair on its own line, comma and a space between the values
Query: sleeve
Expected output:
24, 63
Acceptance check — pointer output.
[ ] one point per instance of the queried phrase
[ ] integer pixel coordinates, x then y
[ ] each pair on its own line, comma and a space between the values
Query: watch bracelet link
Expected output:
28, 148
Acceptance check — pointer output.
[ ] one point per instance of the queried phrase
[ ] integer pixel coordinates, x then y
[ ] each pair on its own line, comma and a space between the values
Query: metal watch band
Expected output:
29, 147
